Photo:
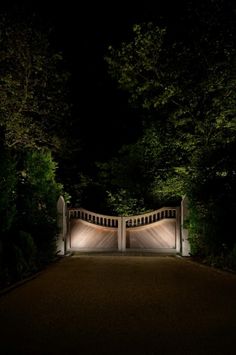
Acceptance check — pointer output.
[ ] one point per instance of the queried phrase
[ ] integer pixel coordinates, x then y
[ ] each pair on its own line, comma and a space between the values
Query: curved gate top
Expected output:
157, 231
161, 230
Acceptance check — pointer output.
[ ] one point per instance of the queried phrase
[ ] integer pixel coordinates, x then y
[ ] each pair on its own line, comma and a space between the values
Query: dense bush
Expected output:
33, 106
211, 223
29, 193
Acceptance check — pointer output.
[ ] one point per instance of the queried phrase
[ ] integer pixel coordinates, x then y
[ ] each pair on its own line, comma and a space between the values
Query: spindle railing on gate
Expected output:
95, 218
131, 221
150, 217
123, 223
126, 225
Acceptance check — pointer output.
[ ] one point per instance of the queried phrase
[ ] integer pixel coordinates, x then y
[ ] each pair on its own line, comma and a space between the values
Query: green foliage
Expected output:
21, 256
196, 228
38, 194
8, 182
122, 203
29, 241
134, 65
231, 258
28, 232
212, 216
142, 176
32, 90
32, 112
186, 87
27, 245
40, 172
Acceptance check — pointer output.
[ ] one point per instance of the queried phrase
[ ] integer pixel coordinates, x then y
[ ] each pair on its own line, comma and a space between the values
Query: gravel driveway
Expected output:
109, 304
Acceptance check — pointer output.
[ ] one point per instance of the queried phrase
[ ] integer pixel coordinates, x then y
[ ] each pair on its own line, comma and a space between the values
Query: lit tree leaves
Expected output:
32, 87
186, 87
135, 66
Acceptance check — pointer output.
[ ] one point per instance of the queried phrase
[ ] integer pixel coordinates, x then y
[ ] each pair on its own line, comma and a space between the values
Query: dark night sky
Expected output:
105, 119
84, 30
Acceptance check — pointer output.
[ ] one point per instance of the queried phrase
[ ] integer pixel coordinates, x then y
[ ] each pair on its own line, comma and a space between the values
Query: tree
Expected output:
38, 192
186, 86
32, 91
131, 178
33, 111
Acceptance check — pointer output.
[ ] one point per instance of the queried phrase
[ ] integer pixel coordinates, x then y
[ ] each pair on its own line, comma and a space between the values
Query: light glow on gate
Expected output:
85, 235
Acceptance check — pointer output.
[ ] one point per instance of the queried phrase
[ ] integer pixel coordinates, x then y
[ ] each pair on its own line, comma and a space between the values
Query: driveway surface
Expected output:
108, 304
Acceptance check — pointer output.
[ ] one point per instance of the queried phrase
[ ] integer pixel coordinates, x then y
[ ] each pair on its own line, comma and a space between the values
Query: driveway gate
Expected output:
161, 230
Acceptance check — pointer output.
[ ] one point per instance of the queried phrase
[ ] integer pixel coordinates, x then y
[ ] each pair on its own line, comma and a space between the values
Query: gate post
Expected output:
62, 226
185, 246
177, 230
120, 233
123, 248
67, 242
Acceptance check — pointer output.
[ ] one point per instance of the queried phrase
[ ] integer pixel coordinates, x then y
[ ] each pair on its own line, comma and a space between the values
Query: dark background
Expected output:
84, 32
102, 118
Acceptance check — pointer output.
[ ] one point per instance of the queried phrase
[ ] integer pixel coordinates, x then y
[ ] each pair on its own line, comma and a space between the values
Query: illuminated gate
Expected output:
155, 231
162, 230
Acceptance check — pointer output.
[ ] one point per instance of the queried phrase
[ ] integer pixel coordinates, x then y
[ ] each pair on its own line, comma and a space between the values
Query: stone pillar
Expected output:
62, 226
185, 246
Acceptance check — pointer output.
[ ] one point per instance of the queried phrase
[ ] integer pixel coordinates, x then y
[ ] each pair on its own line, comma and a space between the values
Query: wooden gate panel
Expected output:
157, 230
85, 235
159, 235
